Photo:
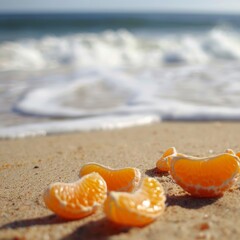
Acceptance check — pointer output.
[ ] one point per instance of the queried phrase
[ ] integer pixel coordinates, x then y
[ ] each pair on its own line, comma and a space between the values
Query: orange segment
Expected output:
78, 199
163, 164
139, 208
205, 177
125, 179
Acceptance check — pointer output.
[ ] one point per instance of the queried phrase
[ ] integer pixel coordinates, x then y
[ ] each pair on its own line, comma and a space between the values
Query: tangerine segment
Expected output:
125, 179
139, 208
76, 200
163, 164
205, 177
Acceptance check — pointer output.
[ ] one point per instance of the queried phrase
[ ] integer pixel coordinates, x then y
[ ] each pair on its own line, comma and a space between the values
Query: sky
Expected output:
228, 6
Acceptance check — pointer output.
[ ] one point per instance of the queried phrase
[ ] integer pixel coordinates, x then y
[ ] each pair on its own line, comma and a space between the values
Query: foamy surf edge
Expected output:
119, 48
77, 125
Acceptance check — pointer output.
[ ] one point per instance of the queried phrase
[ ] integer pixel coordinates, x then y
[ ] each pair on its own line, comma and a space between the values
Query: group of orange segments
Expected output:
114, 189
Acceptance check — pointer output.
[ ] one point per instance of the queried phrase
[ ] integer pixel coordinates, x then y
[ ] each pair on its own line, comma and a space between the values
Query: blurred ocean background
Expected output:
67, 72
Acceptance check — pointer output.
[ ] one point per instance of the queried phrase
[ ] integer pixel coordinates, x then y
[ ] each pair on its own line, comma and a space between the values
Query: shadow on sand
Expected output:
99, 229
153, 172
189, 202
47, 220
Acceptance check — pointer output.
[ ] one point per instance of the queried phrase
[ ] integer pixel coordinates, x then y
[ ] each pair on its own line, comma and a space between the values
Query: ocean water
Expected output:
81, 72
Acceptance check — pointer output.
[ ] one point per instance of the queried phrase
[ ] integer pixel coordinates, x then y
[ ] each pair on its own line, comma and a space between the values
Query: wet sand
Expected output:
27, 166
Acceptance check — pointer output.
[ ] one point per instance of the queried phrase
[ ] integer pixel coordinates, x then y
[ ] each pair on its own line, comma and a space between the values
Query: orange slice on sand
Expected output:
124, 179
78, 199
163, 164
205, 177
139, 208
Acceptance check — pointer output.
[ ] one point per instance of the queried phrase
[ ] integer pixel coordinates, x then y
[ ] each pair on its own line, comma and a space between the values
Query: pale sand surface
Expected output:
27, 166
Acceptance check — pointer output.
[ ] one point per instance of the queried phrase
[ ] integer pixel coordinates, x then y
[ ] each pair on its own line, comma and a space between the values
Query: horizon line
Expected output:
123, 12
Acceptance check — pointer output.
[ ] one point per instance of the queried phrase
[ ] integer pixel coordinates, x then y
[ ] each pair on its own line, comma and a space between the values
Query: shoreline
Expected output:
29, 165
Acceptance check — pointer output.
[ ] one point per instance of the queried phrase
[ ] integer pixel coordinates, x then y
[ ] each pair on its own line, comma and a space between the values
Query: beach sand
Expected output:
28, 166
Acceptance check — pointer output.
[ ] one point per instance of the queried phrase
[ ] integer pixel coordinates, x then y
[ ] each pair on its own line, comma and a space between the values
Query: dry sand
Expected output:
27, 166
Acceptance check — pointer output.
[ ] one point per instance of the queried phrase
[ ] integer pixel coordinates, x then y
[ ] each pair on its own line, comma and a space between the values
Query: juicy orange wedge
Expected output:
76, 200
124, 179
205, 177
163, 164
139, 208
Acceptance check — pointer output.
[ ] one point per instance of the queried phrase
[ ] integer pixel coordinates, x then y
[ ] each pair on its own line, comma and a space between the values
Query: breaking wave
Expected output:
119, 49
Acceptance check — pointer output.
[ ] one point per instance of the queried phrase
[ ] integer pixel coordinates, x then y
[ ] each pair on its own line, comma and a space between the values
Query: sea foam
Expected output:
118, 48
116, 78
196, 93
98, 123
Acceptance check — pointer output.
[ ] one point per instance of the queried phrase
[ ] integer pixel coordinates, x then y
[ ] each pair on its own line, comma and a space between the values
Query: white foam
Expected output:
100, 123
197, 92
117, 49
119, 79
94, 91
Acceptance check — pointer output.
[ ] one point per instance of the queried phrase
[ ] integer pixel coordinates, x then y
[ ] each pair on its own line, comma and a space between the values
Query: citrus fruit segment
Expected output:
163, 164
139, 208
78, 199
125, 179
205, 177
